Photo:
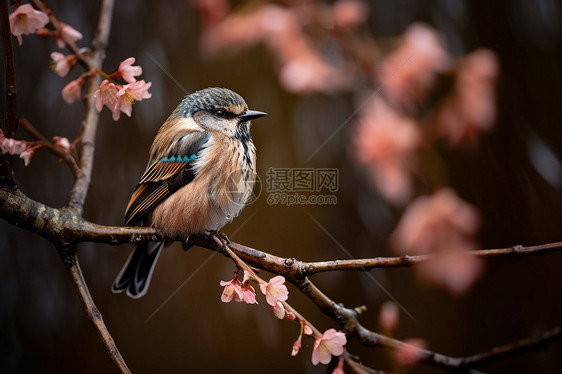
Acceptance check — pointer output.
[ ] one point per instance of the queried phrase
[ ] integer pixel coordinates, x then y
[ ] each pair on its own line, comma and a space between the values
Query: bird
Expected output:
200, 174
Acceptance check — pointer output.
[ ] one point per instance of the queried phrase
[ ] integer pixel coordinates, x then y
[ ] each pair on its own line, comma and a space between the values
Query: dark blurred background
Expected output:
514, 177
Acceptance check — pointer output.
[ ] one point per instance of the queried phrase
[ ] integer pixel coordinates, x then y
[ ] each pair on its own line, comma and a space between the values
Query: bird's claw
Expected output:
220, 235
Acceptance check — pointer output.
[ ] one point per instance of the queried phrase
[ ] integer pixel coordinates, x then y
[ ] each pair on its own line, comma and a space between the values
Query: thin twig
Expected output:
401, 261
11, 107
522, 345
94, 315
65, 156
55, 23
89, 129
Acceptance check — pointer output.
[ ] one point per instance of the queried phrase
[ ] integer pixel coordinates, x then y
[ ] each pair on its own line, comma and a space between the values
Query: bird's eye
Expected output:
220, 113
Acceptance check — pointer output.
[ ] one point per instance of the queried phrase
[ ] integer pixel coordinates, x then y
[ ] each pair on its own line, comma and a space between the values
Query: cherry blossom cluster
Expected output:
23, 148
326, 345
26, 150
390, 134
115, 96
302, 68
119, 98
117, 92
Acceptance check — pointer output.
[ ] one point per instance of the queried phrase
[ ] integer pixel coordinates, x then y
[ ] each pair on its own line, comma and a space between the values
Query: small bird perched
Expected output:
200, 174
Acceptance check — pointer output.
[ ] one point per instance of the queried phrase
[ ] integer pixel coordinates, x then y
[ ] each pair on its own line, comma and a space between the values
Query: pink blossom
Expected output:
12, 146
128, 94
232, 290
329, 344
410, 71
410, 352
291, 316
296, 346
26, 20
275, 290
306, 329
213, 11
73, 91
107, 95
349, 14
62, 143
388, 317
68, 34
301, 68
17, 147
61, 64
248, 293
472, 107
339, 368
385, 142
279, 310
27, 155
445, 226
127, 71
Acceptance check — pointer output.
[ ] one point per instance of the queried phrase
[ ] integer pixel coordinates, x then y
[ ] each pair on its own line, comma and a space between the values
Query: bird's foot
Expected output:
220, 235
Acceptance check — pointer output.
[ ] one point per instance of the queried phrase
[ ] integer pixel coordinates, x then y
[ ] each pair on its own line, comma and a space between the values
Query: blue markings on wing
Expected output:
179, 158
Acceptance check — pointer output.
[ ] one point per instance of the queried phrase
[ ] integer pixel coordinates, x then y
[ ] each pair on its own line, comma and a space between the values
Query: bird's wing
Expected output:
165, 175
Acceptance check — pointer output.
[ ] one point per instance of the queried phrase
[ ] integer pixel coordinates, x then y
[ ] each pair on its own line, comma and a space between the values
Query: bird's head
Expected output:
218, 110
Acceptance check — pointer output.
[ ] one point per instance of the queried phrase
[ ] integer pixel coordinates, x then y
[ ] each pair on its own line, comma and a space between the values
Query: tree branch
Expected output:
93, 313
66, 228
54, 21
89, 129
65, 156
406, 260
11, 124
63, 227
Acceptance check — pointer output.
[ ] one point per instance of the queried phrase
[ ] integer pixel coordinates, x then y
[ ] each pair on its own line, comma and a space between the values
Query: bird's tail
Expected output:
135, 275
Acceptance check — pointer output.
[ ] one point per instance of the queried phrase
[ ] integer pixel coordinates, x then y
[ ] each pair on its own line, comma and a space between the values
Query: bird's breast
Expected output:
225, 175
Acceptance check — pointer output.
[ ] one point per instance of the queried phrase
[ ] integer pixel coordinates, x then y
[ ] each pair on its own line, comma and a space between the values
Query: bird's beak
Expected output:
251, 114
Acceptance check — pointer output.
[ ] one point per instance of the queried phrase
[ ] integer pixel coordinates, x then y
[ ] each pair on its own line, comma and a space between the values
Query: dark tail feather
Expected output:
135, 275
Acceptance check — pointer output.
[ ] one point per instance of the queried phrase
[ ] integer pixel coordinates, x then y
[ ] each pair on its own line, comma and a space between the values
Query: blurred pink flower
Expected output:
61, 64
26, 20
388, 317
408, 73
301, 68
472, 107
17, 147
12, 146
339, 368
73, 91
443, 225
127, 71
27, 155
410, 352
296, 346
275, 290
329, 344
455, 270
349, 14
68, 34
232, 290
279, 310
62, 143
212, 11
385, 142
